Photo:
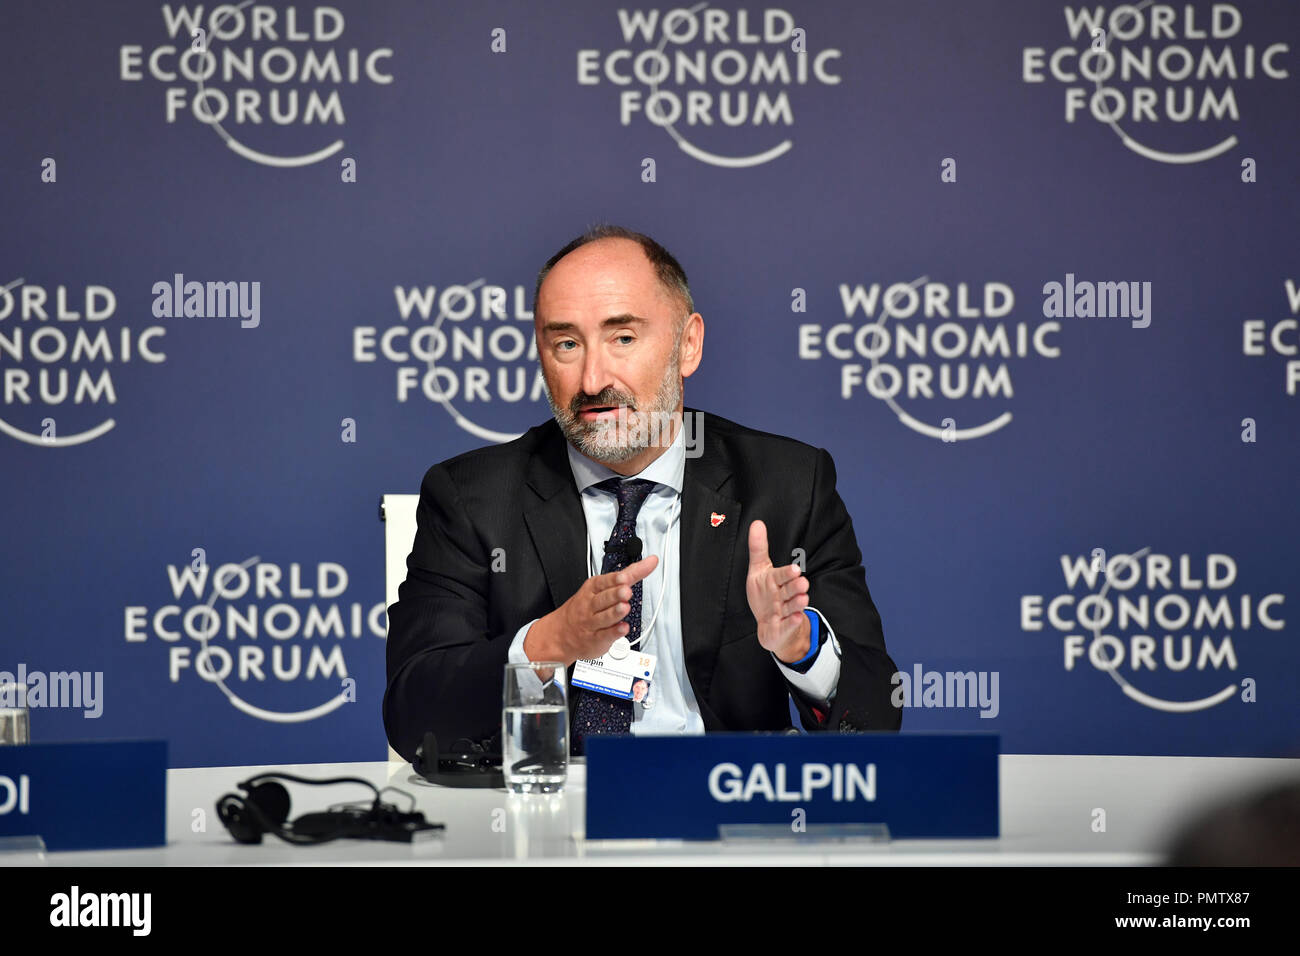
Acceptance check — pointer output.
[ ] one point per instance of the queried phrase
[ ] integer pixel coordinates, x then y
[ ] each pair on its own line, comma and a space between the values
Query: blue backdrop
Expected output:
384, 180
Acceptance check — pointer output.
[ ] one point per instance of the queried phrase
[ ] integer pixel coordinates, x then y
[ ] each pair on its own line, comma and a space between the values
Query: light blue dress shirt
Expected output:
670, 707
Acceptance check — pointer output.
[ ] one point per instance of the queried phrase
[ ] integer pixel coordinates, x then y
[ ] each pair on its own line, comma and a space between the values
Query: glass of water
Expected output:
15, 726
535, 727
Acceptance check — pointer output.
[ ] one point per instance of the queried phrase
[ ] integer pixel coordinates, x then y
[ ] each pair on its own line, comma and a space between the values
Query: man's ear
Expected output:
691, 349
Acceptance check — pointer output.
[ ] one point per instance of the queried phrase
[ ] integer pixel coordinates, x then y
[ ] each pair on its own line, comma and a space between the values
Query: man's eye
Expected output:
560, 346
630, 338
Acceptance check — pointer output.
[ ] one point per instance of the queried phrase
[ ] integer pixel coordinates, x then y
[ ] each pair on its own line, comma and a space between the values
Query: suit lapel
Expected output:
707, 559
555, 518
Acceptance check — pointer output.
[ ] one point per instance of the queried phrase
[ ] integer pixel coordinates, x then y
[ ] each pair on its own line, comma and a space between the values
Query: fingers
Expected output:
787, 590
794, 593
786, 582
794, 606
640, 569
603, 598
758, 556
610, 616
611, 634
796, 583
609, 605
788, 611
632, 573
610, 600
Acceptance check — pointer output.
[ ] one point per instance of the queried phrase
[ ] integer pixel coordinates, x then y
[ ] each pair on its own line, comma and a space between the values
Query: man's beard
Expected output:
619, 439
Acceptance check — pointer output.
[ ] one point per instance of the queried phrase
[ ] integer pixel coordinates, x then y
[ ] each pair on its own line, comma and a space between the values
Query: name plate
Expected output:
85, 796
921, 786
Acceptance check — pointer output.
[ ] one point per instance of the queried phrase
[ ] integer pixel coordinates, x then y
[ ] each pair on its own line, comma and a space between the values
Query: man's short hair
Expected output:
667, 269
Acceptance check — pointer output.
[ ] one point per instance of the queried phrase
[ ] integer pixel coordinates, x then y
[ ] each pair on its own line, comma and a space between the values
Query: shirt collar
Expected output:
668, 469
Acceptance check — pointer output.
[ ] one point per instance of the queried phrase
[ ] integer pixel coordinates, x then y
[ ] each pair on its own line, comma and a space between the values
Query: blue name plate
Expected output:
85, 796
922, 786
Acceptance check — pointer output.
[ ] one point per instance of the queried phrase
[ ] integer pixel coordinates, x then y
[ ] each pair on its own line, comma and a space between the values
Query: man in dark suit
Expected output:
497, 571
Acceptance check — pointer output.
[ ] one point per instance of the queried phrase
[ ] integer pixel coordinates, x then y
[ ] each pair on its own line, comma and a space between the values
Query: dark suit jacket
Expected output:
455, 617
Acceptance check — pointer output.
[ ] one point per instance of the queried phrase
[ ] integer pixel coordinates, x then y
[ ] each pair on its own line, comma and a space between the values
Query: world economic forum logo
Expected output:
258, 72
1168, 629
939, 355
245, 627
467, 347
1165, 78
63, 359
718, 82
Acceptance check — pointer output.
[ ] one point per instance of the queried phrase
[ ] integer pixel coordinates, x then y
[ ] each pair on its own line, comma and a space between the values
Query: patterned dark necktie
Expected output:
596, 713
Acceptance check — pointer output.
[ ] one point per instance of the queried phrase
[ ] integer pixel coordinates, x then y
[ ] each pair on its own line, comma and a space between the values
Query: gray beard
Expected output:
614, 442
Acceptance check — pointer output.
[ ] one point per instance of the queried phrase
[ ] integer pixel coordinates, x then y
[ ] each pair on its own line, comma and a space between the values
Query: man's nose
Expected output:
595, 379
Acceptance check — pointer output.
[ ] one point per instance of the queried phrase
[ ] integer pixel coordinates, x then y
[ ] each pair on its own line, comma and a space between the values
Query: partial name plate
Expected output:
91, 795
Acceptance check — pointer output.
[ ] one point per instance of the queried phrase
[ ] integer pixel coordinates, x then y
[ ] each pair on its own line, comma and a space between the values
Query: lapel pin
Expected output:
716, 519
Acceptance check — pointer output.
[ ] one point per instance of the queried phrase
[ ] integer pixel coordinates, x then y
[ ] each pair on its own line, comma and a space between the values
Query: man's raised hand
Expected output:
587, 624
777, 598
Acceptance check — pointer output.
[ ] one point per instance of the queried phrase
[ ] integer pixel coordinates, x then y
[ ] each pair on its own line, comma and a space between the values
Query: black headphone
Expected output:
265, 809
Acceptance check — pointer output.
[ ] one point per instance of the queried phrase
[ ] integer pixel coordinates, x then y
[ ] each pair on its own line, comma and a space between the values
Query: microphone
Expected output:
631, 548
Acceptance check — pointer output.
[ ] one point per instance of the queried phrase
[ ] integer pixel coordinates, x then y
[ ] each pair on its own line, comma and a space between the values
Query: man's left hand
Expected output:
777, 598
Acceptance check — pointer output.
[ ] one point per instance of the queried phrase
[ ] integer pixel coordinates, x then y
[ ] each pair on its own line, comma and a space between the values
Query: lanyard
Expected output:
663, 591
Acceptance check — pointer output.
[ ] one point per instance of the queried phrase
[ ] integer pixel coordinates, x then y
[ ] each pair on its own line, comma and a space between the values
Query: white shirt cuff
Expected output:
516, 654
823, 677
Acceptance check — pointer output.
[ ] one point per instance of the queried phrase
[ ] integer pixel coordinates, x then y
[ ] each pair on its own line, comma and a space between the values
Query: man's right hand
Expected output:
587, 624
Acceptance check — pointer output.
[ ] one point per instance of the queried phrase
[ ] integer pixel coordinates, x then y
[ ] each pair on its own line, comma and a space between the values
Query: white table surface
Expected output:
1047, 811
